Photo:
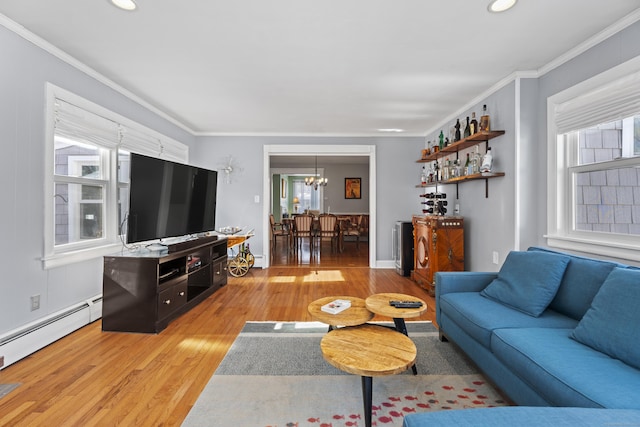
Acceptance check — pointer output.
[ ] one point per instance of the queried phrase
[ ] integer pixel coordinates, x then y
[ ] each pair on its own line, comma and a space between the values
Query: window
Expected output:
594, 165
309, 198
87, 168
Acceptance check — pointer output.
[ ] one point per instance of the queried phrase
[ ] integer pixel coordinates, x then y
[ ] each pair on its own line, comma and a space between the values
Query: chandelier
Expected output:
316, 180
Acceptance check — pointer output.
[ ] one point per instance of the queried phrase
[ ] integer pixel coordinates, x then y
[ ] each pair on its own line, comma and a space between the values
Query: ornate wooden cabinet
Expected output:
438, 246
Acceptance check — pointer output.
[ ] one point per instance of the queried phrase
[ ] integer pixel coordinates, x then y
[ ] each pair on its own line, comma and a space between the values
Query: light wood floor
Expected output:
93, 378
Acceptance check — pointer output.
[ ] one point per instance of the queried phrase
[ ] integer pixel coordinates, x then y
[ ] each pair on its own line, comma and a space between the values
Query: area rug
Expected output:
274, 375
6, 389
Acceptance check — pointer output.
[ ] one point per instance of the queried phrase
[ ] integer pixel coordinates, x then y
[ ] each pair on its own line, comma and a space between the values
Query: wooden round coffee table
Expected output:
368, 351
357, 314
379, 304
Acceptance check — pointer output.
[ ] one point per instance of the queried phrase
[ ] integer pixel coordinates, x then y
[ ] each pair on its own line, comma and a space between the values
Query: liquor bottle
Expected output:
476, 161
441, 139
487, 161
467, 166
474, 123
485, 121
423, 175
457, 126
467, 129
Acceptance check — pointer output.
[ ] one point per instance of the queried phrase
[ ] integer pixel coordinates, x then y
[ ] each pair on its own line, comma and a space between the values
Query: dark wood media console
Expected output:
145, 290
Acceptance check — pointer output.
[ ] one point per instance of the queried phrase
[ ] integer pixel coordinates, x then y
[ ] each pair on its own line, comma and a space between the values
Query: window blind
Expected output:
613, 101
78, 124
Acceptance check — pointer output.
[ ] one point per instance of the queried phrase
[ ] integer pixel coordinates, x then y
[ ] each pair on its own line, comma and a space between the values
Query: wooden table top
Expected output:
368, 350
379, 304
357, 314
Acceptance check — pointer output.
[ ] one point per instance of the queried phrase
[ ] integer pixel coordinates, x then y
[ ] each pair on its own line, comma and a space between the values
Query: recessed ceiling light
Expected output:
501, 5
125, 4
390, 130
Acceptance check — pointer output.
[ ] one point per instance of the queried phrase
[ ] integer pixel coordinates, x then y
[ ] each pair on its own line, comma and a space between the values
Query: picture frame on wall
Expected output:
352, 188
283, 188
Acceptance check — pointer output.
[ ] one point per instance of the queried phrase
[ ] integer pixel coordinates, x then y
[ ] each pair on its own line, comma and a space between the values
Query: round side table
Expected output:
379, 304
357, 314
368, 351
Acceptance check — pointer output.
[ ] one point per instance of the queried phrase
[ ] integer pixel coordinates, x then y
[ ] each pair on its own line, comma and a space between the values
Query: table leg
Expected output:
401, 327
367, 396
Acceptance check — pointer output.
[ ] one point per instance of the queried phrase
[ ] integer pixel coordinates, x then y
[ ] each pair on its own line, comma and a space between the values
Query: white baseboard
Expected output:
30, 338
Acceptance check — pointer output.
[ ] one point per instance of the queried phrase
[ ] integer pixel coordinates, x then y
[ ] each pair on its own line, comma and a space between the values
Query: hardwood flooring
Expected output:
94, 378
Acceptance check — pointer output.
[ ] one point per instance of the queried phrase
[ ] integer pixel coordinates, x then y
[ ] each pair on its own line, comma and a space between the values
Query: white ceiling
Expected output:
333, 67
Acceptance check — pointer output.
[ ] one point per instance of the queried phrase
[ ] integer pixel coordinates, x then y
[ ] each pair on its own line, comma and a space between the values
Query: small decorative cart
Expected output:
241, 259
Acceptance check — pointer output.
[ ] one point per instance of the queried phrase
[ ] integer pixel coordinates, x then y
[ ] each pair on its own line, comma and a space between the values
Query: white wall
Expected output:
25, 70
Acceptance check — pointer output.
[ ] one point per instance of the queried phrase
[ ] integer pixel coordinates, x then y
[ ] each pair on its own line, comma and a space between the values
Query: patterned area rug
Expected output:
274, 375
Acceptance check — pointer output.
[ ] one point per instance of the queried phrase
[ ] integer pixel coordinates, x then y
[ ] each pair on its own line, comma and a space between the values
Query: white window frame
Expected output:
562, 165
132, 137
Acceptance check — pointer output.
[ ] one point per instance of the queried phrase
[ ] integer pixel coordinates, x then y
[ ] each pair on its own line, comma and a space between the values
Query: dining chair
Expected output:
278, 230
354, 229
302, 229
328, 229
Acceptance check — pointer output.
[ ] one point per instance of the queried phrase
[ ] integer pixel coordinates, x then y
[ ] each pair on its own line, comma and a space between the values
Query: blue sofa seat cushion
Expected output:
612, 323
528, 281
479, 316
565, 371
581, 282
510, 416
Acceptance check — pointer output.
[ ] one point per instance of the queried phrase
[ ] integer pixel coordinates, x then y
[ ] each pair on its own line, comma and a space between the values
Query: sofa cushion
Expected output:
528, 281
611, 324
566, 372
580, 283
479, 316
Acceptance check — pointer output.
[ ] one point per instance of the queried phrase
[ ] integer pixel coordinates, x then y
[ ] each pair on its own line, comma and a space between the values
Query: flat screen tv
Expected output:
168, 199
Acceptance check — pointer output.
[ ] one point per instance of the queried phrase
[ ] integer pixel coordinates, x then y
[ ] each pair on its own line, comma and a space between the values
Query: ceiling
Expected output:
298, 67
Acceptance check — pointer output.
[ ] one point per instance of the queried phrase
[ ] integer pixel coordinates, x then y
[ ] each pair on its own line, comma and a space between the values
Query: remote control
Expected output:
405, 304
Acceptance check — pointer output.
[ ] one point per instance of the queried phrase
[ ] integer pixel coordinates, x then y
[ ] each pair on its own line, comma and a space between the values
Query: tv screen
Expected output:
168, 199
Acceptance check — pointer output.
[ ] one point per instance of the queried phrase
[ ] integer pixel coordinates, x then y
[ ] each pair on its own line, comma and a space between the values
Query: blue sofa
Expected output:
549, 329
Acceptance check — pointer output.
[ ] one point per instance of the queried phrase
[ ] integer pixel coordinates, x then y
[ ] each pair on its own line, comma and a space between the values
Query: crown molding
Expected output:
65, 57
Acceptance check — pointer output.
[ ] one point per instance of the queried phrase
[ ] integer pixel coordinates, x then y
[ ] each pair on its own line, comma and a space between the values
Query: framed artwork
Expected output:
352, 188
283, 188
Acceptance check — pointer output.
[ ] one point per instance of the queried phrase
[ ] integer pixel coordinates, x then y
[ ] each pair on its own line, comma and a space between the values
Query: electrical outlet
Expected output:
256, 199
495, 258
35, 302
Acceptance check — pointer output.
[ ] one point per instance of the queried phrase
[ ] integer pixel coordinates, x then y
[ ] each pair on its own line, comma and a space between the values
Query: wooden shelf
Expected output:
476, 176
470, 141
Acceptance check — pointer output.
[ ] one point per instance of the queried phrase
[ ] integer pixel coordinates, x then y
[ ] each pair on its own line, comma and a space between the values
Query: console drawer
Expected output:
171, 299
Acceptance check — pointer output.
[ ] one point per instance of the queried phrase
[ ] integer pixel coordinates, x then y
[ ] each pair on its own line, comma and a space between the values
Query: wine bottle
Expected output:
474, 123
467, 166
428, 203
467, 129
430, 210
457, 126
485, 122
441, 139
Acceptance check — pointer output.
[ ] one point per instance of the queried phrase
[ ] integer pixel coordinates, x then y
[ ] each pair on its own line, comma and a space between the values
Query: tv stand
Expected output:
144, 291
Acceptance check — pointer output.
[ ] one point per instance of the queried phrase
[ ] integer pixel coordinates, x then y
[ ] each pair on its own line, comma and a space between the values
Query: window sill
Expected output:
609, 249
71, 257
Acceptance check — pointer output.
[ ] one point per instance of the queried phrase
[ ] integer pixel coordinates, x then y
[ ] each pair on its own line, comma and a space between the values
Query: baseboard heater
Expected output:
28, 339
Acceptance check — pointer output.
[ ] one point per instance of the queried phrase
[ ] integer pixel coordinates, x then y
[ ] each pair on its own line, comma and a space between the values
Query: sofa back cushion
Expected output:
527, 281
581, 282
611, 323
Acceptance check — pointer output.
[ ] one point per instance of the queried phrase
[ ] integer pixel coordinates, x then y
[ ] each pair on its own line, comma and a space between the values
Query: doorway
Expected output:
326, 151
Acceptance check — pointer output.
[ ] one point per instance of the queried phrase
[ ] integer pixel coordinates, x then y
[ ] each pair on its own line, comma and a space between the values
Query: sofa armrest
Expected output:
460, 281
